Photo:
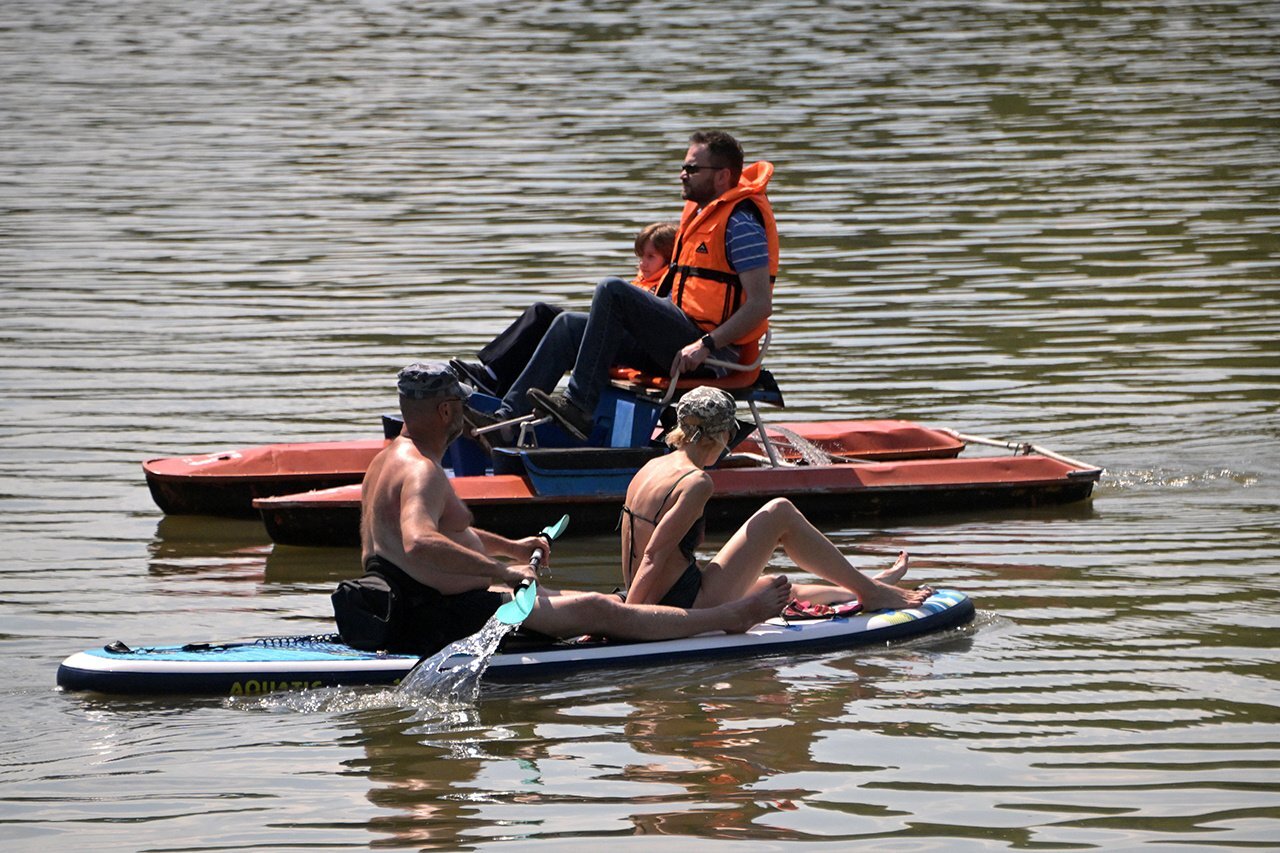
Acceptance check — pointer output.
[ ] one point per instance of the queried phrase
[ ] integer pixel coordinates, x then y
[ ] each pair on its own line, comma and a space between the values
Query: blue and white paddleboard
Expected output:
295, 663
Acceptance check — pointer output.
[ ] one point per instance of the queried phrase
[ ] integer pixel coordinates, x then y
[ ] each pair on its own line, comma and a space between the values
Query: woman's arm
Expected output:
662, 563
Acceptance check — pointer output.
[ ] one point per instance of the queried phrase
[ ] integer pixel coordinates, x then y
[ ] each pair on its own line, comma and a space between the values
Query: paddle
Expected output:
552, 533
521, 604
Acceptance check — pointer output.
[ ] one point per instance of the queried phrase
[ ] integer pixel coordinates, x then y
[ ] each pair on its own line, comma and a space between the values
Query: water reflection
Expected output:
313, 566
184, 544
234, 549
660, 750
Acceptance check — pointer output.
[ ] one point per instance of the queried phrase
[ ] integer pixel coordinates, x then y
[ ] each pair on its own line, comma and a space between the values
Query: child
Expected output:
502, 359
654, 245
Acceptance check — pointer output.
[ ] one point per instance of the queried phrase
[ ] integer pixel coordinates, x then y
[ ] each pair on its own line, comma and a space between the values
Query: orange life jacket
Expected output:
650, 283
700, 280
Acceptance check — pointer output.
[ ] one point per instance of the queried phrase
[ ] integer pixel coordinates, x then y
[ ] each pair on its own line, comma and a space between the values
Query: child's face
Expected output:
651, 260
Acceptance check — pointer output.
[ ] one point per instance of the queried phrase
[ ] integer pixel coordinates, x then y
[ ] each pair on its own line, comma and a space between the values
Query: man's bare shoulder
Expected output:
401, 462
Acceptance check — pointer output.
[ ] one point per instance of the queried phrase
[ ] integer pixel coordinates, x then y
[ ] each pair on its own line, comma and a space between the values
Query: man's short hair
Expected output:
723, 148
424, 381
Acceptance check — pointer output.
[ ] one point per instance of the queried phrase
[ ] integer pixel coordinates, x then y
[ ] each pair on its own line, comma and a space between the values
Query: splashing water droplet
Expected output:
810, 453
440, 687
452, 675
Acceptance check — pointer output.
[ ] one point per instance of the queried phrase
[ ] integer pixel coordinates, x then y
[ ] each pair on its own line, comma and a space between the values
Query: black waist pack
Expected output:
367, 609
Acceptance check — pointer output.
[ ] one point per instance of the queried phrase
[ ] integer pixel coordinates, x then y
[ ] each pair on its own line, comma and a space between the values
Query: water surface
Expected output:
230, 224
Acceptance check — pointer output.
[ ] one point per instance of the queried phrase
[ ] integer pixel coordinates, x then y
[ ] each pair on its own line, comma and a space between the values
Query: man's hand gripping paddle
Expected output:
520, 606
511, 613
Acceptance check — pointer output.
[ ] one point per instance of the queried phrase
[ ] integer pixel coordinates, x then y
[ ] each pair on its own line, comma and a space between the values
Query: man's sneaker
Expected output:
566, 413
477, 419
475, 375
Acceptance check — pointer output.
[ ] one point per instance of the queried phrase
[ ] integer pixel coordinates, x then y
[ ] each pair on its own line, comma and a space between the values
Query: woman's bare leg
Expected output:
736, 568
897, 571
821, 593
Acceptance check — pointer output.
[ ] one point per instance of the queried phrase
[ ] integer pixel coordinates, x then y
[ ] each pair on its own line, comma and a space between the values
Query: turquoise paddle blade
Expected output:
527, 596
553, 531
520, 606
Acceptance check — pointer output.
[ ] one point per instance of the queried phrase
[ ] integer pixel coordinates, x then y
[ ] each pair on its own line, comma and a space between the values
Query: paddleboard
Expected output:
297, 663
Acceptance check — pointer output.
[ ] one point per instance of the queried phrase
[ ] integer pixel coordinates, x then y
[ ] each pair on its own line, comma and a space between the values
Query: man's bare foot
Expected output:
887, 597
763, 604
897, 571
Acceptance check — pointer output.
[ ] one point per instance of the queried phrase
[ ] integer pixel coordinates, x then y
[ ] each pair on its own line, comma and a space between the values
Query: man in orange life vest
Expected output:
716, 297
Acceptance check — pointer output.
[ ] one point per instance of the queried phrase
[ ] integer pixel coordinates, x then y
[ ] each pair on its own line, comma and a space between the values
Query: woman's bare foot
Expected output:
887, 597
764, 603
897, 571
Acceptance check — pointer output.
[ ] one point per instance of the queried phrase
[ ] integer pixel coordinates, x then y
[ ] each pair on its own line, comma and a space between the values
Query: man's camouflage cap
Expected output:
423, 381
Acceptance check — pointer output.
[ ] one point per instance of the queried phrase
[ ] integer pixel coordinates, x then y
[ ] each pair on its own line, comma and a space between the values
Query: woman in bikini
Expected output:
662, 524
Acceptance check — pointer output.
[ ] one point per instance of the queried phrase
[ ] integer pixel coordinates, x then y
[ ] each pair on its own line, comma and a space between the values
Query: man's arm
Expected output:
516, 549
422, 504
756, 307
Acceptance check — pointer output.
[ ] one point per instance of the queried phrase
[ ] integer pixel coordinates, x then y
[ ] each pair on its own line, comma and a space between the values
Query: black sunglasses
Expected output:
694, 168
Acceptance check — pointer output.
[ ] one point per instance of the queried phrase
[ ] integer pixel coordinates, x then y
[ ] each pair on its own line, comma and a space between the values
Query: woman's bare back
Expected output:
654, 492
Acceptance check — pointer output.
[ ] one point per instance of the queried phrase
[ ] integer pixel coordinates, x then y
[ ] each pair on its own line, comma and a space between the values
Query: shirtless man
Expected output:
417, 532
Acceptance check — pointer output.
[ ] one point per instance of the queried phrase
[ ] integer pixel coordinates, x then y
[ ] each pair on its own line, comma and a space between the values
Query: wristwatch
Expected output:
709, 342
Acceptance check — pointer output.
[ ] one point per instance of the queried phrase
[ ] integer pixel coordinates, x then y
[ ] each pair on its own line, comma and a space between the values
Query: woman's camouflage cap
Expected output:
706, 411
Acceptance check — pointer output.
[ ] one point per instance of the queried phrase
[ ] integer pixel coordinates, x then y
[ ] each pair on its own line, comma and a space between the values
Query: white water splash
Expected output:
1163, 477
810, 453
436, 680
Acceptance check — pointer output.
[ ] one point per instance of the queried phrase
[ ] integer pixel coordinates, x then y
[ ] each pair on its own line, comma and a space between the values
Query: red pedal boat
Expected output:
225, 482
309, 494
882, 468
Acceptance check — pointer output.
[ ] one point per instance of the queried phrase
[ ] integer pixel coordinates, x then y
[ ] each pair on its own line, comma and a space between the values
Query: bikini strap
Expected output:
672, 490
654, 521
629, 513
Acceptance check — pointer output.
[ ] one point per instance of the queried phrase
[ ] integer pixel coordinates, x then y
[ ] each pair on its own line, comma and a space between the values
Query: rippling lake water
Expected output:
229, 224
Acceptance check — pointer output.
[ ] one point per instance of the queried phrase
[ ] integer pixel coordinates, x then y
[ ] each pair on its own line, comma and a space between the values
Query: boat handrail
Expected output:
726, 365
